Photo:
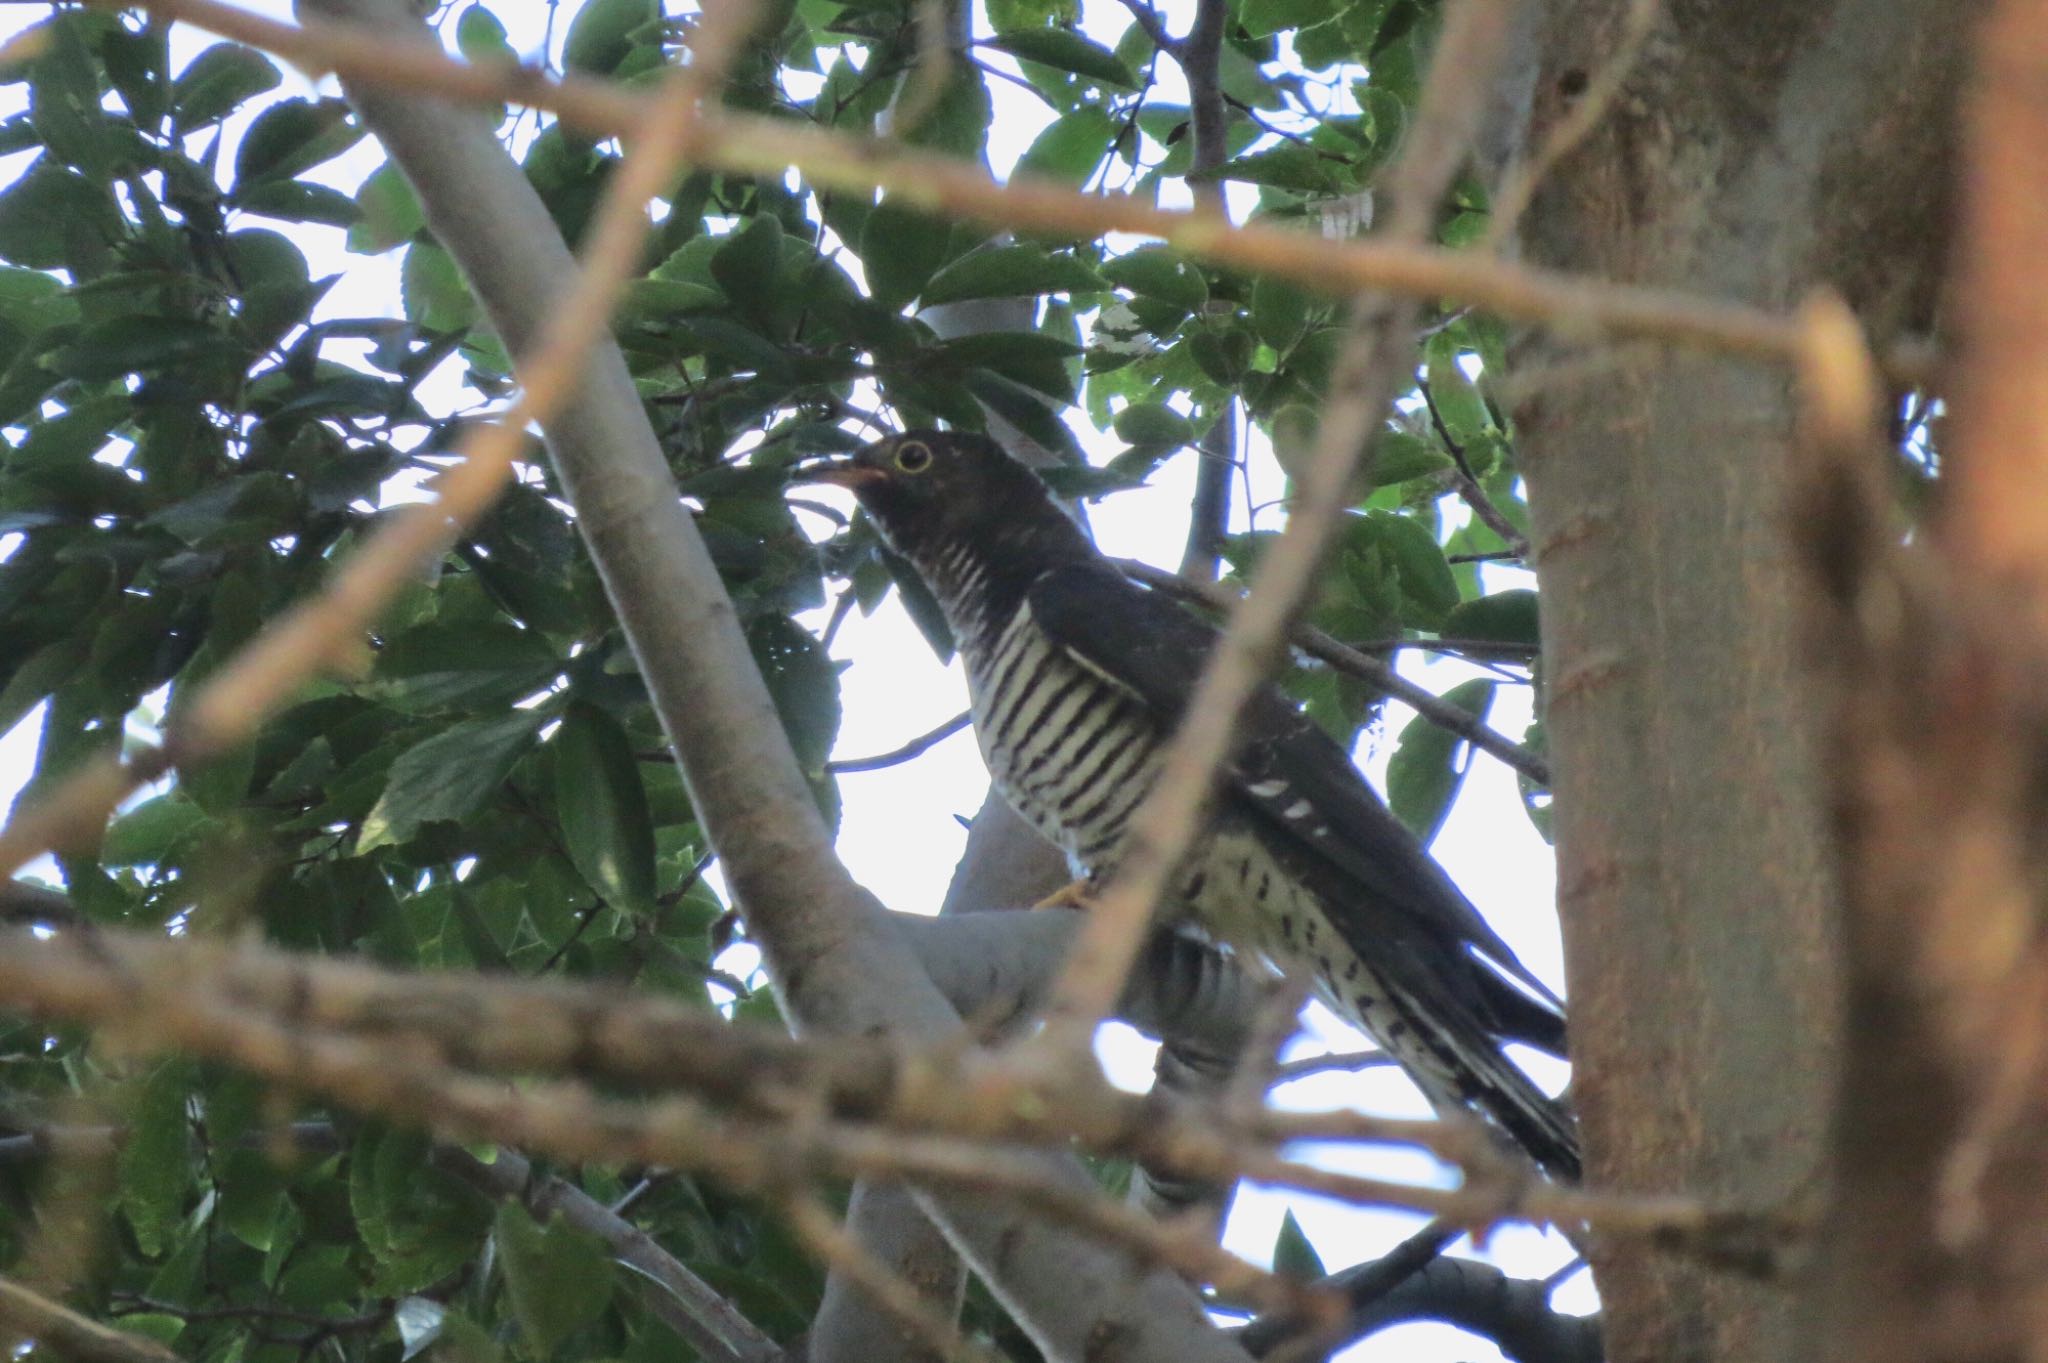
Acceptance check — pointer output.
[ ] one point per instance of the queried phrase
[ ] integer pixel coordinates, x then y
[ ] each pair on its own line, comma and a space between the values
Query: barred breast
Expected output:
1070, 748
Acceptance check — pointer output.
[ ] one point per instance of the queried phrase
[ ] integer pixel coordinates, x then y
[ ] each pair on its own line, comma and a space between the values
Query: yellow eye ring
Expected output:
913, 456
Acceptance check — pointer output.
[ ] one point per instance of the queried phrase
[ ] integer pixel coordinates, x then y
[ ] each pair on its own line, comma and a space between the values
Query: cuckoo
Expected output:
1077, 677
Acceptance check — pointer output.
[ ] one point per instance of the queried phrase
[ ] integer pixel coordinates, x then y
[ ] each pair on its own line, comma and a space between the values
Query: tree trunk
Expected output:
1757, 151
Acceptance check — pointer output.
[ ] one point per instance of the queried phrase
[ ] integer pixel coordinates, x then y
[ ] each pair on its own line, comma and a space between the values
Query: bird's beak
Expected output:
844, 473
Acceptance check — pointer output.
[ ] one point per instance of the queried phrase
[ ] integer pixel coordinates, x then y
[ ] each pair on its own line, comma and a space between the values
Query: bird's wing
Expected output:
1288, 772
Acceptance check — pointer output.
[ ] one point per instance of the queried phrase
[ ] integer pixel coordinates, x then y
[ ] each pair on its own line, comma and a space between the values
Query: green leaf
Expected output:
136, 343
805, 685
1263, 17
447, 776
559, 1278
419, 1223
436, 295
1280, 312
300, 201
1010, 272
54, 218
1157, 272
217, 82
1401, 457
1070, 148
153, 832
155, 1160
1428, 589
480, 37
390, 212
1287, 166
1065, 50
293, 136
1505, 617
1424, 774
603, 31
901, 249
746, 263
1293, 1255
1154, 424
602, 806
1456, 398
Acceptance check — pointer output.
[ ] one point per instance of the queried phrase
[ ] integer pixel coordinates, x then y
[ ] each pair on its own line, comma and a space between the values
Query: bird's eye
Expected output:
913, 456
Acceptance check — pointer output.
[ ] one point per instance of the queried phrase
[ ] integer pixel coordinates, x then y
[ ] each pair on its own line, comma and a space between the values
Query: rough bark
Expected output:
1759, 150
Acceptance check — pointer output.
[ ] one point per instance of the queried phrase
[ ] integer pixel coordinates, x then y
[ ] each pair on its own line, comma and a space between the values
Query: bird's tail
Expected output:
1458, 1065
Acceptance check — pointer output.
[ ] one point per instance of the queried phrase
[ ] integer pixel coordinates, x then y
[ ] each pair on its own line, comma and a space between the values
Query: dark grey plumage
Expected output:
1077, 678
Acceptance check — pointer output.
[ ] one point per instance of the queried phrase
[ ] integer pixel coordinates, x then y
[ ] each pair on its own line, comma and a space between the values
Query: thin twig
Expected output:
916, 747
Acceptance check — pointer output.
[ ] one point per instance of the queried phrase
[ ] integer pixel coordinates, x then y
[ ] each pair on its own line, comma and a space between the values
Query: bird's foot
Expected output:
1075, 894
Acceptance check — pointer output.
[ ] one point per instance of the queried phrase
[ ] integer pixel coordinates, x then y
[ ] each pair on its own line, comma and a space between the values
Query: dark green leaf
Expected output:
603, 31
746, 263
1424, 773
447, 776
155, 1163
1417, 563
602, 806
390, 212
805, 686
154, 832
1157, 272
54, 218
1010, 272
1287, 166
1065, 50
1261, 17
300, 201
293, 136
1401, 457
1070, 149
1153, 423
481, 37
217, 82
1505, 617
136, 343
1293, 1255
436, 296
559, 1278
901, 249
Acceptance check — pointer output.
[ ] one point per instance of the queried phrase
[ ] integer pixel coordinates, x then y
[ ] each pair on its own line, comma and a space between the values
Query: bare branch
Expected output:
690, 1306
916, 747
31, 1315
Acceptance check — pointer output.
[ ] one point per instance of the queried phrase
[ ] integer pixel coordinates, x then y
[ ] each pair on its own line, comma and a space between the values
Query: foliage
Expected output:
197, 425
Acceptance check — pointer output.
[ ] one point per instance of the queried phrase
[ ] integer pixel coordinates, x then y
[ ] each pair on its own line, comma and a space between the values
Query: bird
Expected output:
1077, 677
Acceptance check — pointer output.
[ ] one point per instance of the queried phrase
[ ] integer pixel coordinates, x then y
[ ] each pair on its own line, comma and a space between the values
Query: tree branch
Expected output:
686, 1303
30, 1315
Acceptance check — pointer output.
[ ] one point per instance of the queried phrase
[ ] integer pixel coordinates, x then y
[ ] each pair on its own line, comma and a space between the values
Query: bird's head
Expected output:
929, 490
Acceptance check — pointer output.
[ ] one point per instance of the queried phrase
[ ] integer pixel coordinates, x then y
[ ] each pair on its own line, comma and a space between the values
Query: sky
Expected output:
899, 833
